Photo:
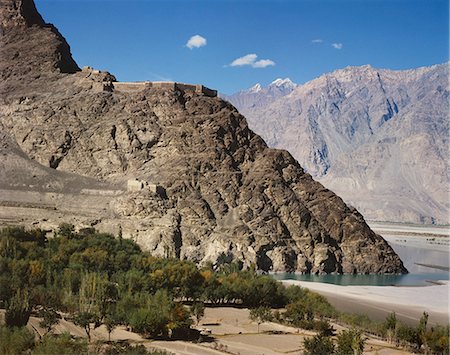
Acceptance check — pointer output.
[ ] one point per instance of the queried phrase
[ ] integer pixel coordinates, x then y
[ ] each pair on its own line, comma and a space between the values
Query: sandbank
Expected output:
409, 303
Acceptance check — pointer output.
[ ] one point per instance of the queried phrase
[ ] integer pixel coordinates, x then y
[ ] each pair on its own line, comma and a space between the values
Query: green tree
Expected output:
127, 349
49, 318
324, 327
84, 320
263, 291
110, 322
318, 345
294, 293
437, 340
421, 330
350, 342
18, 310
260, 315
198, 310
150, 322
408, 336
15, 341
390, 325
60, 345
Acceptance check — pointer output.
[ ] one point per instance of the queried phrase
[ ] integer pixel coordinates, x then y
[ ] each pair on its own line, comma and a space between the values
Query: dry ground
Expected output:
233, 333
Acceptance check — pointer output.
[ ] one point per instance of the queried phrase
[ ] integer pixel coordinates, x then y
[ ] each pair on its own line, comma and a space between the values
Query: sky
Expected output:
230, 45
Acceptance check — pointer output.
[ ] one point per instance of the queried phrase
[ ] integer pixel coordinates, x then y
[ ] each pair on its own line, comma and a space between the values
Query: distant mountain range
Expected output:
378, 138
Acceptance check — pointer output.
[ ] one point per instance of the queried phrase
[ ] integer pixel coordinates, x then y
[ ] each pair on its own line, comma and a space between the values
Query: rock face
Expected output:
378, 138
211, 188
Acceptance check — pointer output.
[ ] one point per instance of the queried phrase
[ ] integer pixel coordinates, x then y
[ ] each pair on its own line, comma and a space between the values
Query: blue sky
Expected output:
240, 43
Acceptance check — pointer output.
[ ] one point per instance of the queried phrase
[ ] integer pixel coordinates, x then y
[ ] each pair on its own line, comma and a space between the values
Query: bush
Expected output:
324, 327
150, 322
350, 342
364, 322
15, 341
18, 310
307, 307
263, 291
84, 320
318, 345
260, 315
294, 293
437, 339
409, 336
49, 318
60, 345
126, 349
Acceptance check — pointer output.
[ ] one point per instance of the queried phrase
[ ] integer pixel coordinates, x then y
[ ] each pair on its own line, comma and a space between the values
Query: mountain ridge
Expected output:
339, 120
179, 172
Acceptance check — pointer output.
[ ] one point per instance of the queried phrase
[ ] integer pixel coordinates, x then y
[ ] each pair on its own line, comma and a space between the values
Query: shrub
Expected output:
150, 322
294, 293
126, 349
84, 320
49, 318
198, 311
408, 335
350, 342
318, 345
18, 310
324, 327
60, 345
260, 315
437, 339
307, 307
15, 341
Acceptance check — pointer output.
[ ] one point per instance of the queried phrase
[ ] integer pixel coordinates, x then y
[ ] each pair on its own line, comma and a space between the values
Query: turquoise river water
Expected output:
418, 275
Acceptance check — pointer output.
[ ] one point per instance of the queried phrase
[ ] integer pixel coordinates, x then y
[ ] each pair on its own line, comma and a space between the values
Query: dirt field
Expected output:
232, 332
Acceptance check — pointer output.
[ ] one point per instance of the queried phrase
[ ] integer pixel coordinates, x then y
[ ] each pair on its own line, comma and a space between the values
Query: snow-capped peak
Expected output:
255, 88
286, 83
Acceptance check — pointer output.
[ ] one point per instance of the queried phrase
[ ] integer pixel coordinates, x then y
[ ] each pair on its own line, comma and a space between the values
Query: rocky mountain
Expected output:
174, 168
378, 138
258, 97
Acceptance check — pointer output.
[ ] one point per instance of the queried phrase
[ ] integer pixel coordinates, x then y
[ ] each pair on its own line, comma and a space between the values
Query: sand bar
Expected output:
377, 301
402, 228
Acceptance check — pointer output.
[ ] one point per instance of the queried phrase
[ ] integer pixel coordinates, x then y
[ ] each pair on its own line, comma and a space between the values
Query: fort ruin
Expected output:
135, 185
143, 85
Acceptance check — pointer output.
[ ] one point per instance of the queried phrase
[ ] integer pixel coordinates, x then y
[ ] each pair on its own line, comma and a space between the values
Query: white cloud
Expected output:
318, 40
196, 41
337, 45
250, 59
263, 63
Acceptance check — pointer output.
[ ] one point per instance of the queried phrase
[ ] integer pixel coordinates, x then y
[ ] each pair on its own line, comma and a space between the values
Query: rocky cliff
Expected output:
221, 193
378, 138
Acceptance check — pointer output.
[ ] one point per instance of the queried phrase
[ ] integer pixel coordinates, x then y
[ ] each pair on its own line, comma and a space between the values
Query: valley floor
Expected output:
232, 332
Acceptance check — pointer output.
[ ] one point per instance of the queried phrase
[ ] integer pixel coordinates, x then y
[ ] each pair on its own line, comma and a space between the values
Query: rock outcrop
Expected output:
222, 193
378, 138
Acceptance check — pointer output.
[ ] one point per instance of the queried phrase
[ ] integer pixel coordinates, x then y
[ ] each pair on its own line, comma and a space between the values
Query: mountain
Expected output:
258, 97
378, 138
170, 165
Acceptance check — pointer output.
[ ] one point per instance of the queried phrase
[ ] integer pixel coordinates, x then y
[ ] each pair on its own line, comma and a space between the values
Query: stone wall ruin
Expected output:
135, 185
169, 85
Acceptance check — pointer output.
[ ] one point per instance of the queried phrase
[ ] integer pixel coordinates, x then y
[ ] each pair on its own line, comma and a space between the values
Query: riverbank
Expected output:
377, 302
424, 237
